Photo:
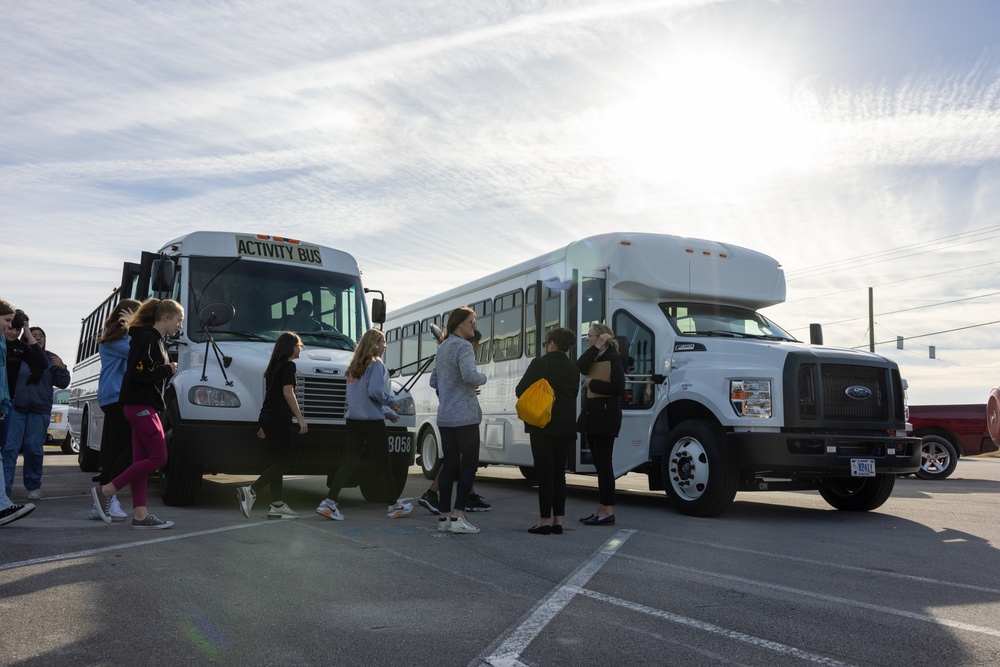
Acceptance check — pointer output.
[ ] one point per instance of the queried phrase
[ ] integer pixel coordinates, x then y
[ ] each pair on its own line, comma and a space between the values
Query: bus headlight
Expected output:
406, 405
751, 398
210, 397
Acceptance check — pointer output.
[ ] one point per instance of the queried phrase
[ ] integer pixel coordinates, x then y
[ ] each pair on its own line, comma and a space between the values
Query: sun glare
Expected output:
708, 120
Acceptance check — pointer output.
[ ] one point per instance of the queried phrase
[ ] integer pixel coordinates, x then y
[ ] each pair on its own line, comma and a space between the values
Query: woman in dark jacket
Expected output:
601, 417
146, 373
551, 444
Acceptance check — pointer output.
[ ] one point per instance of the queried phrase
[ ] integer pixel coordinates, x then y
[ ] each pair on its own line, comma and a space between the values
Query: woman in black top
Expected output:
601, 417
551, 444
146, 373
275, 425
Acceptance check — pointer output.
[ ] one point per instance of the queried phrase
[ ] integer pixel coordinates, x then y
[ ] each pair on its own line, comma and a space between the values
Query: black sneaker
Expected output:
15, 512
429, 501
476, 503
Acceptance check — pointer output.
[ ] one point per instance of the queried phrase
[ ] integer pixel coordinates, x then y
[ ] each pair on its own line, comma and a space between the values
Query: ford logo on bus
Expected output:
858, 393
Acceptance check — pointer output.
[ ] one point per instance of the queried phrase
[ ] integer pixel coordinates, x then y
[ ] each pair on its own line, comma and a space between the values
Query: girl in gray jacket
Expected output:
455, 378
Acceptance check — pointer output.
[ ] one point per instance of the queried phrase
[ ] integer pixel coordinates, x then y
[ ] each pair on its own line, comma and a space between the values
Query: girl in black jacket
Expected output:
551, 444
601, 417
146, 373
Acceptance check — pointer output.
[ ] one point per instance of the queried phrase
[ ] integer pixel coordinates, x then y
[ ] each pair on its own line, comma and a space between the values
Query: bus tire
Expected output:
88, 459
938, 458
430, 462
179, 481
859, 495
699, 470
528, 472
374, 488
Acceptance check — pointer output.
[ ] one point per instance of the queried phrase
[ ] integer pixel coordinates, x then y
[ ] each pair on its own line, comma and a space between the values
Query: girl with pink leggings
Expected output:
146, 373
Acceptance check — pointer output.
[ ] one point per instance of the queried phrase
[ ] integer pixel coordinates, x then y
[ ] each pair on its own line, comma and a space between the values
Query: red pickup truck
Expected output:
950, 432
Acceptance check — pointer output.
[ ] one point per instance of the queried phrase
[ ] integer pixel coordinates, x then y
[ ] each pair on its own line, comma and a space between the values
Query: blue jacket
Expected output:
114, 354
455, 377
368, 397
34, 386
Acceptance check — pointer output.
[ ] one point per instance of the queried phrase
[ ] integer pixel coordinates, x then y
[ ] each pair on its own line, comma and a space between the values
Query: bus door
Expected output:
588, 305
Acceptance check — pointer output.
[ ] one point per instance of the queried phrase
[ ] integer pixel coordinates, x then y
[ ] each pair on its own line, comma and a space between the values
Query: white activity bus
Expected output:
239, 292
718, 398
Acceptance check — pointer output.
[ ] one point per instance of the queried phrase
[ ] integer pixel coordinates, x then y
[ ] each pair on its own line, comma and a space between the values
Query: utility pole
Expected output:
871, 319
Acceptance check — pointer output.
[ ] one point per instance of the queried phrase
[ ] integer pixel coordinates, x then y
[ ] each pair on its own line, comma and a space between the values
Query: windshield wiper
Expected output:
333, 336
249, 335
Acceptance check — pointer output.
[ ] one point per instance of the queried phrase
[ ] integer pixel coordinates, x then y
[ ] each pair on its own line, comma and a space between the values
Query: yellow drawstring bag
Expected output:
535, 404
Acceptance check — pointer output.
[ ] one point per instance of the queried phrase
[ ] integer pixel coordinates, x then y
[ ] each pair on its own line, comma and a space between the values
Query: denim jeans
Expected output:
25, 435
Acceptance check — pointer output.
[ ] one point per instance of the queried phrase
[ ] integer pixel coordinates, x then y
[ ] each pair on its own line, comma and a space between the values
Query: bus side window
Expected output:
484, 323
411, 348
393, 352
508, 314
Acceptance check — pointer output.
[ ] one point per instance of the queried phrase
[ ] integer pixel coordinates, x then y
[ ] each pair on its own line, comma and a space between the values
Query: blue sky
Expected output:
856, 141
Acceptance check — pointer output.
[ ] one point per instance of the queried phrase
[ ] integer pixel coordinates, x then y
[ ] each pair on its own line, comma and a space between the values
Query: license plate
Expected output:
862, 467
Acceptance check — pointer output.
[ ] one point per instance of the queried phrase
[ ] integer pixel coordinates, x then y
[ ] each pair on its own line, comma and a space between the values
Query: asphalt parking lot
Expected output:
780, 579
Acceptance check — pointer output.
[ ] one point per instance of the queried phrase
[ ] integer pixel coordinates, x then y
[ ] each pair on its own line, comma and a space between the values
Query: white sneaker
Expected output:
400, 509
35, 495
444, 525
246, 497
116, 513
282, 512
460, 525
328, 508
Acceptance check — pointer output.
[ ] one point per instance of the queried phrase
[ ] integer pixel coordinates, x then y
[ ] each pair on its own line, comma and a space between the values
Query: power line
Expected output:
936, 333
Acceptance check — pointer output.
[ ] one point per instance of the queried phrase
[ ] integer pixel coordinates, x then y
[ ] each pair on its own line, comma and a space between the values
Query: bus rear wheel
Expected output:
88, 459
430, 462
699, 470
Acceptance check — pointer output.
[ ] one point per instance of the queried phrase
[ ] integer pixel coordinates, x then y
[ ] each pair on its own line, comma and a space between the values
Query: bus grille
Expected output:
321, 397
837, 404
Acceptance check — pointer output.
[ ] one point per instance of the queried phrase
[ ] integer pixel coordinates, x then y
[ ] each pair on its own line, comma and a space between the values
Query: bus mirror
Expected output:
216, 314
163, 274
378, 311
816, 333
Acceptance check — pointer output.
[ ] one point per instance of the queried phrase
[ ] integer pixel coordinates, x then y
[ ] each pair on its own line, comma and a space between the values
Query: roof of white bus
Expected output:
648, 266
224, 244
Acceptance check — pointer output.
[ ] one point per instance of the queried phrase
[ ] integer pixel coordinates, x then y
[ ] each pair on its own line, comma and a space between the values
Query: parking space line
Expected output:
798, 592
506, 651
759, 642
128, 545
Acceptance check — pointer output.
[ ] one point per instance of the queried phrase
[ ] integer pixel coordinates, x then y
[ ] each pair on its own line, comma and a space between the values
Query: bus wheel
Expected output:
88, 459
430, 462
938, 458
528, 472
375, 490
858, 494
179, 481
699, 470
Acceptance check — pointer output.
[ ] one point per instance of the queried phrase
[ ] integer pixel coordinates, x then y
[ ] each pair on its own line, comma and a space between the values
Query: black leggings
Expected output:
550, 455
362, 432
460, 445
116, 443
603, 447
279, 436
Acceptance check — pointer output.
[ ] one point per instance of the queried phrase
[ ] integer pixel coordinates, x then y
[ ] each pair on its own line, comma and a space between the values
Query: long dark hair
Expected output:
456, 317
116, 326
283, 348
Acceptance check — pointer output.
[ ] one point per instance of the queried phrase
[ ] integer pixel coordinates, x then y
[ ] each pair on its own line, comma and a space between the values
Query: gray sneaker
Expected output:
102, 504
151, 523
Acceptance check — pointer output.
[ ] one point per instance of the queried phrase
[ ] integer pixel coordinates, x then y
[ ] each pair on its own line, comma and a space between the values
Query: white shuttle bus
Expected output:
239, 292
718, 398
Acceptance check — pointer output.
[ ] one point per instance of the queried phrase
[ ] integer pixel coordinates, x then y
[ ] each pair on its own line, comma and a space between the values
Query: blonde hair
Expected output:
605, 329
153, 310
365, 353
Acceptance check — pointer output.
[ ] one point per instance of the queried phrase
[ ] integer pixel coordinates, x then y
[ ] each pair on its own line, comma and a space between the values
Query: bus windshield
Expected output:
703, 319
326, 309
